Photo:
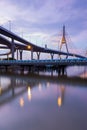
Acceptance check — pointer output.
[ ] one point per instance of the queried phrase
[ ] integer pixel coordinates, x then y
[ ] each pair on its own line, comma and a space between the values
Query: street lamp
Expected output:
29, 47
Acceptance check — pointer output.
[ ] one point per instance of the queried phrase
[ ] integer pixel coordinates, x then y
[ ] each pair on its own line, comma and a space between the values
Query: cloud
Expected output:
46, 17
52, 11
8, 11
49, 11
41, 14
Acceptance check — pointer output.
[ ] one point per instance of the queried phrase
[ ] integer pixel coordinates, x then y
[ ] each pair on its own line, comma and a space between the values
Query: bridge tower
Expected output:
63, 40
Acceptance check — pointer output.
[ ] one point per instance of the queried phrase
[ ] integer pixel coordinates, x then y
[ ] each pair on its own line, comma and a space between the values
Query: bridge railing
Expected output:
44, 62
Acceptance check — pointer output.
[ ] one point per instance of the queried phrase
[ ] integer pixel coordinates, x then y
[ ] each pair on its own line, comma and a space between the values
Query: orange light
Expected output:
29, 47
21, 102
63, 40
59, 101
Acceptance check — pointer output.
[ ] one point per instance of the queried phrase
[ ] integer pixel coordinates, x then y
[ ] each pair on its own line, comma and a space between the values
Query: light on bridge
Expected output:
29, 47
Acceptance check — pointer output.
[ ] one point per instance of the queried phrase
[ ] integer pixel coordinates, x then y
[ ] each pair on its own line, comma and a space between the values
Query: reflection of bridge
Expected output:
15, 88
20, 84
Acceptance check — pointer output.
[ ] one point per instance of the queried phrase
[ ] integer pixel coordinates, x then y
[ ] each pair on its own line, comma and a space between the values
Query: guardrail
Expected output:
45, 62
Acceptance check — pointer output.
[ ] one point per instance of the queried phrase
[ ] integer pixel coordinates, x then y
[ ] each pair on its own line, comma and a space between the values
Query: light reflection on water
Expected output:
42, 102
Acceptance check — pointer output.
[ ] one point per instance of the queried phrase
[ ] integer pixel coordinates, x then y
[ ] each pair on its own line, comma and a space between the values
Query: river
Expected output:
44, 100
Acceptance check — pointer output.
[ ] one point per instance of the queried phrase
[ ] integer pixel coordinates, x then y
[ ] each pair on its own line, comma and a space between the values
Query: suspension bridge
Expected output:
15, 43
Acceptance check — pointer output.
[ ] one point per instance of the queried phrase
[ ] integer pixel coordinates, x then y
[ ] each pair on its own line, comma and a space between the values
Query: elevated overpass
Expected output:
18, 43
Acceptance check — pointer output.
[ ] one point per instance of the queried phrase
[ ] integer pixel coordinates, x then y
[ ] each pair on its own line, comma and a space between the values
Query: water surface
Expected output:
43, 101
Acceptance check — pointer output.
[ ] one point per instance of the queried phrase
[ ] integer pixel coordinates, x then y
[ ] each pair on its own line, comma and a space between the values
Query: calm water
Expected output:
44, 100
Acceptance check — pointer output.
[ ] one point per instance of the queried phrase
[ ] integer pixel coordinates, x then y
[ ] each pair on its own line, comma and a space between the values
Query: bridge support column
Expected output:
7, 57
51, 56
17, 54
32, 54
12, 48
61, 70
38, 55
67, 56
21, 51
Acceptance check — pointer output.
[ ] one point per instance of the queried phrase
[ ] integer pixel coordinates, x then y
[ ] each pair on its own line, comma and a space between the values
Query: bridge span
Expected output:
17, 43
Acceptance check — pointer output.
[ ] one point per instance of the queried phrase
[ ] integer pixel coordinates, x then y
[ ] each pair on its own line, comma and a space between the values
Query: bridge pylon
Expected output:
63, 41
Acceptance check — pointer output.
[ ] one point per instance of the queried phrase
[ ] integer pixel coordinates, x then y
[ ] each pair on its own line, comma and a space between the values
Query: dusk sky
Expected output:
41, 21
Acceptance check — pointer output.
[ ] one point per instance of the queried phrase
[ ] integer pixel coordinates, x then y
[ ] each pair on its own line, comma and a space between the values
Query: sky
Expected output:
41, 21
